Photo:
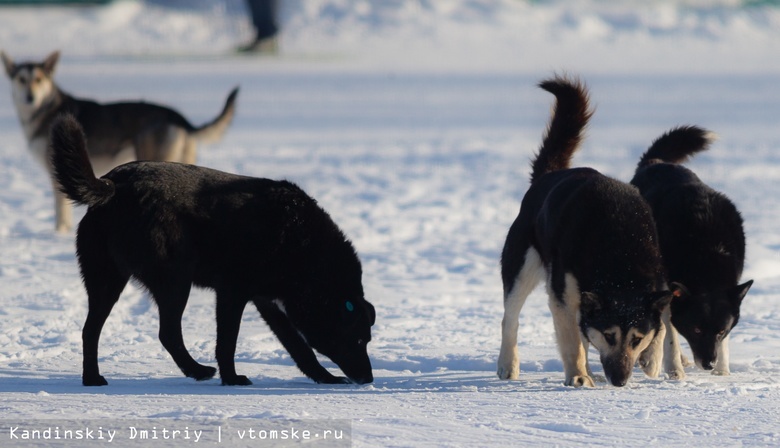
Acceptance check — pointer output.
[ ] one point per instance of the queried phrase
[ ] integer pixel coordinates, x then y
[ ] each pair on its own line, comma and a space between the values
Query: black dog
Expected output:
594, 240
171, 226
703, 246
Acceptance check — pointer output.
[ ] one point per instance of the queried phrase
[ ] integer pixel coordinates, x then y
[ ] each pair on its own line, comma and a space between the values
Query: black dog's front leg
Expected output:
294, 343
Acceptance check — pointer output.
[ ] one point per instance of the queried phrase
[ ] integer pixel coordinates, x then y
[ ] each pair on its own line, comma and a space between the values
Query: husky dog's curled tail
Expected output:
565, 131
72, 168
677, 145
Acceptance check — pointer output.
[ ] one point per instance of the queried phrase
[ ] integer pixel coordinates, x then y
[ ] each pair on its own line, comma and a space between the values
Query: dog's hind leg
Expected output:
275, 316
229, 312
568, 334
63, 211
171, 294
529, 276
722, 364
672, 356
104, 283
190, 152
103, 294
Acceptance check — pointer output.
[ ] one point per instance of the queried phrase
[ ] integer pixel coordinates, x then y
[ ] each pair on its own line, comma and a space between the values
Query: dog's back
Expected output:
702, 242
115, 125
572, 215
700, 229
168, 213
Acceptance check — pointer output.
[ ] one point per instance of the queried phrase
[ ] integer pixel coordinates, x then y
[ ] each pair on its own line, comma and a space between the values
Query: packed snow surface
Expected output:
412, 123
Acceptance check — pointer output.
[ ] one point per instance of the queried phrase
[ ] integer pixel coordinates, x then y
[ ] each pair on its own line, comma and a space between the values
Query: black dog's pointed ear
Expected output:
51, 62
589, 303
679, 291
661, 299
10, 67
739, 292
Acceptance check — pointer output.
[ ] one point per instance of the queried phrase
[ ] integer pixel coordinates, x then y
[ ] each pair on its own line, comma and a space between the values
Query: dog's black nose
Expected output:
618, 380
30, 98
620, 383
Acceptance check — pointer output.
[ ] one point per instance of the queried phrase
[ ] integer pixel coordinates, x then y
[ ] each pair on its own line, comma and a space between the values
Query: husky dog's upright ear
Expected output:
48, 65
738, 292
679, 291
51, 62
8, 63
589, 303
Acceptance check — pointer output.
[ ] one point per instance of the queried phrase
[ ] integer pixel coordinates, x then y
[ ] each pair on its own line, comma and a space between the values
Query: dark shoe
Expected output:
269, 45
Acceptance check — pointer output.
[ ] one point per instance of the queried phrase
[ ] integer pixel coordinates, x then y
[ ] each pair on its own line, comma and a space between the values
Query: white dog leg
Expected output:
567, 331
530, 275
63, 211
722, 364
575, 365
651, 359
672, 356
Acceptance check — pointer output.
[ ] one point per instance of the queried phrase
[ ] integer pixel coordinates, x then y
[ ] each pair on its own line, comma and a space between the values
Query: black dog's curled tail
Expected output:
72, 168
677, 145
565, 132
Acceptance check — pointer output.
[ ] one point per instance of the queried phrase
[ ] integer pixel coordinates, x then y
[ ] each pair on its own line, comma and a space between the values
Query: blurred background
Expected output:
651, 36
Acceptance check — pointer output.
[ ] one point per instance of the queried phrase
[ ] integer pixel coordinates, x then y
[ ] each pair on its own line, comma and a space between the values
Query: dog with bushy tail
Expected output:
592, 238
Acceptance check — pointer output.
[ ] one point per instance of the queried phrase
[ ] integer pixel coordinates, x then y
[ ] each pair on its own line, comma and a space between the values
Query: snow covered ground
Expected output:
412, 123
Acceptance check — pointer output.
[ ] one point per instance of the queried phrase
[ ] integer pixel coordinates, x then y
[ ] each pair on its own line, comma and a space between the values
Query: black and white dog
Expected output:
117, 132
171, 226
594, 240
703, 247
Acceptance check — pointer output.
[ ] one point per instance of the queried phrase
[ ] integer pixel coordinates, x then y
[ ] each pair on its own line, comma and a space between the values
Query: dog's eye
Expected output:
635, 342
610, 338
23, 79
697, 330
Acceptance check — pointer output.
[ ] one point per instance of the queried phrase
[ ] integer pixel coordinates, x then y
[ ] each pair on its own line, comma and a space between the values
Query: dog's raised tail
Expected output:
72, 168
565, 132
677, 145
215, 129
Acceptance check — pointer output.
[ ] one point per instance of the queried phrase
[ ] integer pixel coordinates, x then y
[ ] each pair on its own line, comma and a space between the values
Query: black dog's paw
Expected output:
238, 380
333, 380
202, 373
96, 380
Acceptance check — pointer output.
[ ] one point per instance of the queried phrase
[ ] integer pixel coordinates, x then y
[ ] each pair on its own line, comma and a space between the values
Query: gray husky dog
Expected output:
117, 132
593, 238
